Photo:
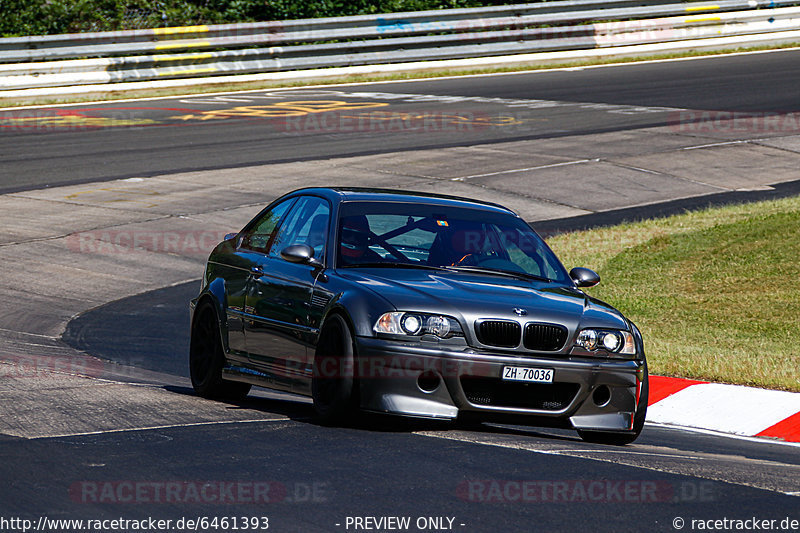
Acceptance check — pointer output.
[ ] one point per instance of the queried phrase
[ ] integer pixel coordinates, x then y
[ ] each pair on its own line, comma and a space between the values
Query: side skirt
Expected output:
254, 377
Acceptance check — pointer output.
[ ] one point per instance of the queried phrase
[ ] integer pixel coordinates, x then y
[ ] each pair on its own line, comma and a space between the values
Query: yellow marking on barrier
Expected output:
180, 57
189, 71
702, 8
281, 109
182, 44
179, 30
702, 19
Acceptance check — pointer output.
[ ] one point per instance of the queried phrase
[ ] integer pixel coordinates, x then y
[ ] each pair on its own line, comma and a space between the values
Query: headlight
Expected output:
612, 341
417, 324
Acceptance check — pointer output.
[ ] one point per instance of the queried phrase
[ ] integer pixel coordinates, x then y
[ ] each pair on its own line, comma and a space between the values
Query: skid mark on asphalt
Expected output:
166, 426
757, 473
118, 195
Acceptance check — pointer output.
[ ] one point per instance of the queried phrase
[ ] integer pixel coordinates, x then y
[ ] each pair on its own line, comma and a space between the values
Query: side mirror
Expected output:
229, 236
584, 277
300, 253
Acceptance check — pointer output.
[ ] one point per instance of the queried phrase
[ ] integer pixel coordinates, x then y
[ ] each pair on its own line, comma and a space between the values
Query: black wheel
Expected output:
332, 384
206, 359
620, 438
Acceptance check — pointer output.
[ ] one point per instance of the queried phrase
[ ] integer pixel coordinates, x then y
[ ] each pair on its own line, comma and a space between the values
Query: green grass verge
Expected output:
109, 94
715, 292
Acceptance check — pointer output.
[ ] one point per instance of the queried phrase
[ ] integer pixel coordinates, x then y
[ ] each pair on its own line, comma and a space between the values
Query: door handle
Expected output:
257, 271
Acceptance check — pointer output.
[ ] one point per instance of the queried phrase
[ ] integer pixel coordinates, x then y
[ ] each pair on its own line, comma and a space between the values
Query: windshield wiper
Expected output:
389, 264
475, 269
498, 272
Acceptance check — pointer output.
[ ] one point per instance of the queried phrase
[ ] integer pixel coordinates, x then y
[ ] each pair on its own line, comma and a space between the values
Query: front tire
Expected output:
207, 358
627, 437
333, 382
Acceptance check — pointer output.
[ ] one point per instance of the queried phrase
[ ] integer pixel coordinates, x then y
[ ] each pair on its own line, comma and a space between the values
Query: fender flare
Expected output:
216, 293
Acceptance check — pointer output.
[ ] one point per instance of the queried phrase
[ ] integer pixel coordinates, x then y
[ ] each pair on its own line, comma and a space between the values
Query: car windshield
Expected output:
411, 235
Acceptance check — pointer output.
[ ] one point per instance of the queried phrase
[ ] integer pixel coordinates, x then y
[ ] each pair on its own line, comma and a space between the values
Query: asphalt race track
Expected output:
129, 139
123, 437
136, 331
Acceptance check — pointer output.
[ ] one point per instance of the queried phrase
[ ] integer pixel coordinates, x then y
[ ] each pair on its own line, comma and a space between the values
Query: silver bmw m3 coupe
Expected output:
416, 305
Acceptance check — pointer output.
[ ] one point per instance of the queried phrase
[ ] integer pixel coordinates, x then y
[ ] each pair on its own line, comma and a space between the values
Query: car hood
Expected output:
475, 296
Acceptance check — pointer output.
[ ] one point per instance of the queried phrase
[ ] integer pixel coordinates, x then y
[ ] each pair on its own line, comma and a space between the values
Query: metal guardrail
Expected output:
42, 61
41, 47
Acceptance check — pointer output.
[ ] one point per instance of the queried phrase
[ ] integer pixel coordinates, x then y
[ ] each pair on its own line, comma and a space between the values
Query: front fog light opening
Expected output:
601, 396
428, 381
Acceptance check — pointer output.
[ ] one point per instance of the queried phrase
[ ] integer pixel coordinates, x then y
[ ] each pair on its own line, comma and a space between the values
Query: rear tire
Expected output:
620, 438
333, 382
207, 358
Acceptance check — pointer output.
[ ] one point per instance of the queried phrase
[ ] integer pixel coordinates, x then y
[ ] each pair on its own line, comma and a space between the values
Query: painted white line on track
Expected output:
569, 452
758, 440
630, 452
514, 170
28, 334
714, 145
617, 459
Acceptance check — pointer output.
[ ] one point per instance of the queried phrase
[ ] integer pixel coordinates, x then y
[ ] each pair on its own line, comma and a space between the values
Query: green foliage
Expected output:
42, 17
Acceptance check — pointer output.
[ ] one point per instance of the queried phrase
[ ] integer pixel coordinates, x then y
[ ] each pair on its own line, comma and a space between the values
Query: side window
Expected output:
257, 237
307, 223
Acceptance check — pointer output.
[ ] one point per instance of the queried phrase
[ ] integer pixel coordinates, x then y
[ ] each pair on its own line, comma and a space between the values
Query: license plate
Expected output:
532, 375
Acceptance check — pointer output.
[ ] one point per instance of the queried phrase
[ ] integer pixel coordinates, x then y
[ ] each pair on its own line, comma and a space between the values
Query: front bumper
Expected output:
432, 382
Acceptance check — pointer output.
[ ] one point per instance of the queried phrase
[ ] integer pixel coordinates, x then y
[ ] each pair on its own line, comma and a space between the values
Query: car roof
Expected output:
367, 194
